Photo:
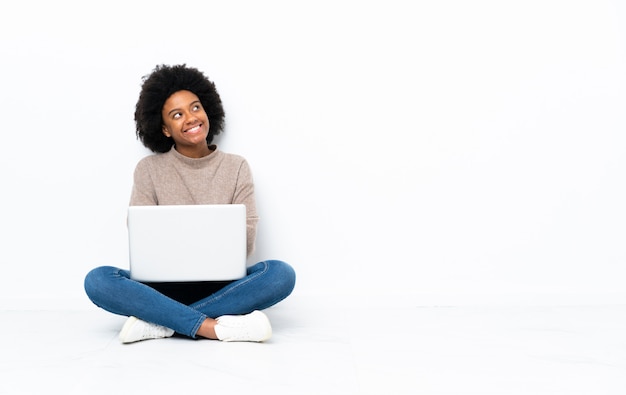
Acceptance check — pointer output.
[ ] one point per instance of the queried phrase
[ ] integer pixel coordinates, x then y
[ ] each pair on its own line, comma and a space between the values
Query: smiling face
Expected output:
186, 122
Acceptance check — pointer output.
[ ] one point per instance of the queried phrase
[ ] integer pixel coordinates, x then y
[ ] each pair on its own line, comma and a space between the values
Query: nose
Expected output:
190, 118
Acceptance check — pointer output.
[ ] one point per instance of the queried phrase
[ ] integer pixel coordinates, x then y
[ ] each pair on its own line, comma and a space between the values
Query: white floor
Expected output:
328, 350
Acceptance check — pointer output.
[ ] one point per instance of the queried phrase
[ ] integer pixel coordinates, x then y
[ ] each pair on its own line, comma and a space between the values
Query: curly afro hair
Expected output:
157, 87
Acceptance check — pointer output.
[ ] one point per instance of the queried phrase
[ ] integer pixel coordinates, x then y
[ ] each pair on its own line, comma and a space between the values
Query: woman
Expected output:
178, 113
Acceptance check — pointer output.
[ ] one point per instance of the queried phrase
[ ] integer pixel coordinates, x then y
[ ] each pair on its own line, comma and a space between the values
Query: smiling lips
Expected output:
195, 129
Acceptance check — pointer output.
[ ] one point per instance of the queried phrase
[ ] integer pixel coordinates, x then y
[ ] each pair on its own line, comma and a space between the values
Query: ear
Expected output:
166, 132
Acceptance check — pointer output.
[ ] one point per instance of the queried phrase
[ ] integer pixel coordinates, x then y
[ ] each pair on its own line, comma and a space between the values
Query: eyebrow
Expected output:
178, 109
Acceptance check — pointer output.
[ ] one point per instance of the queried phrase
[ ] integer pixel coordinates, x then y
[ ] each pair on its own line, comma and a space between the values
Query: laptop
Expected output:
180, 243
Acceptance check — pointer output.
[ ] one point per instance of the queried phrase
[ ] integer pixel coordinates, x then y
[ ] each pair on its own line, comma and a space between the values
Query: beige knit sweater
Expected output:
219, 178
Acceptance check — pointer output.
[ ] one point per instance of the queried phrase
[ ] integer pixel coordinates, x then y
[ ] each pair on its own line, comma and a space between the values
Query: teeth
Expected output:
194, 129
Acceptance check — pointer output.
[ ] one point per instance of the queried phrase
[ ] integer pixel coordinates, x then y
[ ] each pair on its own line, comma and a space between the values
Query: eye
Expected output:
177, 115
196, 107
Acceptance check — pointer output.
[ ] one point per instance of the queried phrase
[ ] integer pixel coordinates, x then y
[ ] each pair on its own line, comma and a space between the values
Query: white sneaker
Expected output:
253, 327
135, 330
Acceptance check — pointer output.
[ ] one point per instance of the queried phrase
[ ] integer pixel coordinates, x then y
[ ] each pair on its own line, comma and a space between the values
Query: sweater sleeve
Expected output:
244, 194
143, 192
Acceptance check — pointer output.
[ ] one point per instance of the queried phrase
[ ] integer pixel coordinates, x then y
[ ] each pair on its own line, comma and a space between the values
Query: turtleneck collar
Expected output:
195, 163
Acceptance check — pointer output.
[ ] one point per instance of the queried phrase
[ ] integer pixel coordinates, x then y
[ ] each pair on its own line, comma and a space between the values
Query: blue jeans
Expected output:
265, 284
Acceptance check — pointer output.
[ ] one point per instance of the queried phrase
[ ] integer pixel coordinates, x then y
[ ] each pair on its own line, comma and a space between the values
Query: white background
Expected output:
429, 151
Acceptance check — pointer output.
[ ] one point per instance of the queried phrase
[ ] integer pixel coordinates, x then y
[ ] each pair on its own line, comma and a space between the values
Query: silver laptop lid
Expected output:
187, 242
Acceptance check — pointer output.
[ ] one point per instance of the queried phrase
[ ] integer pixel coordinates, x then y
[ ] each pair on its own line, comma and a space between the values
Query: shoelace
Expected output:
154, 330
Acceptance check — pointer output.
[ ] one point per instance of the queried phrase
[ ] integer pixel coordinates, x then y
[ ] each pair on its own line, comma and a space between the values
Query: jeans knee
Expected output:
95, 281
284, 275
